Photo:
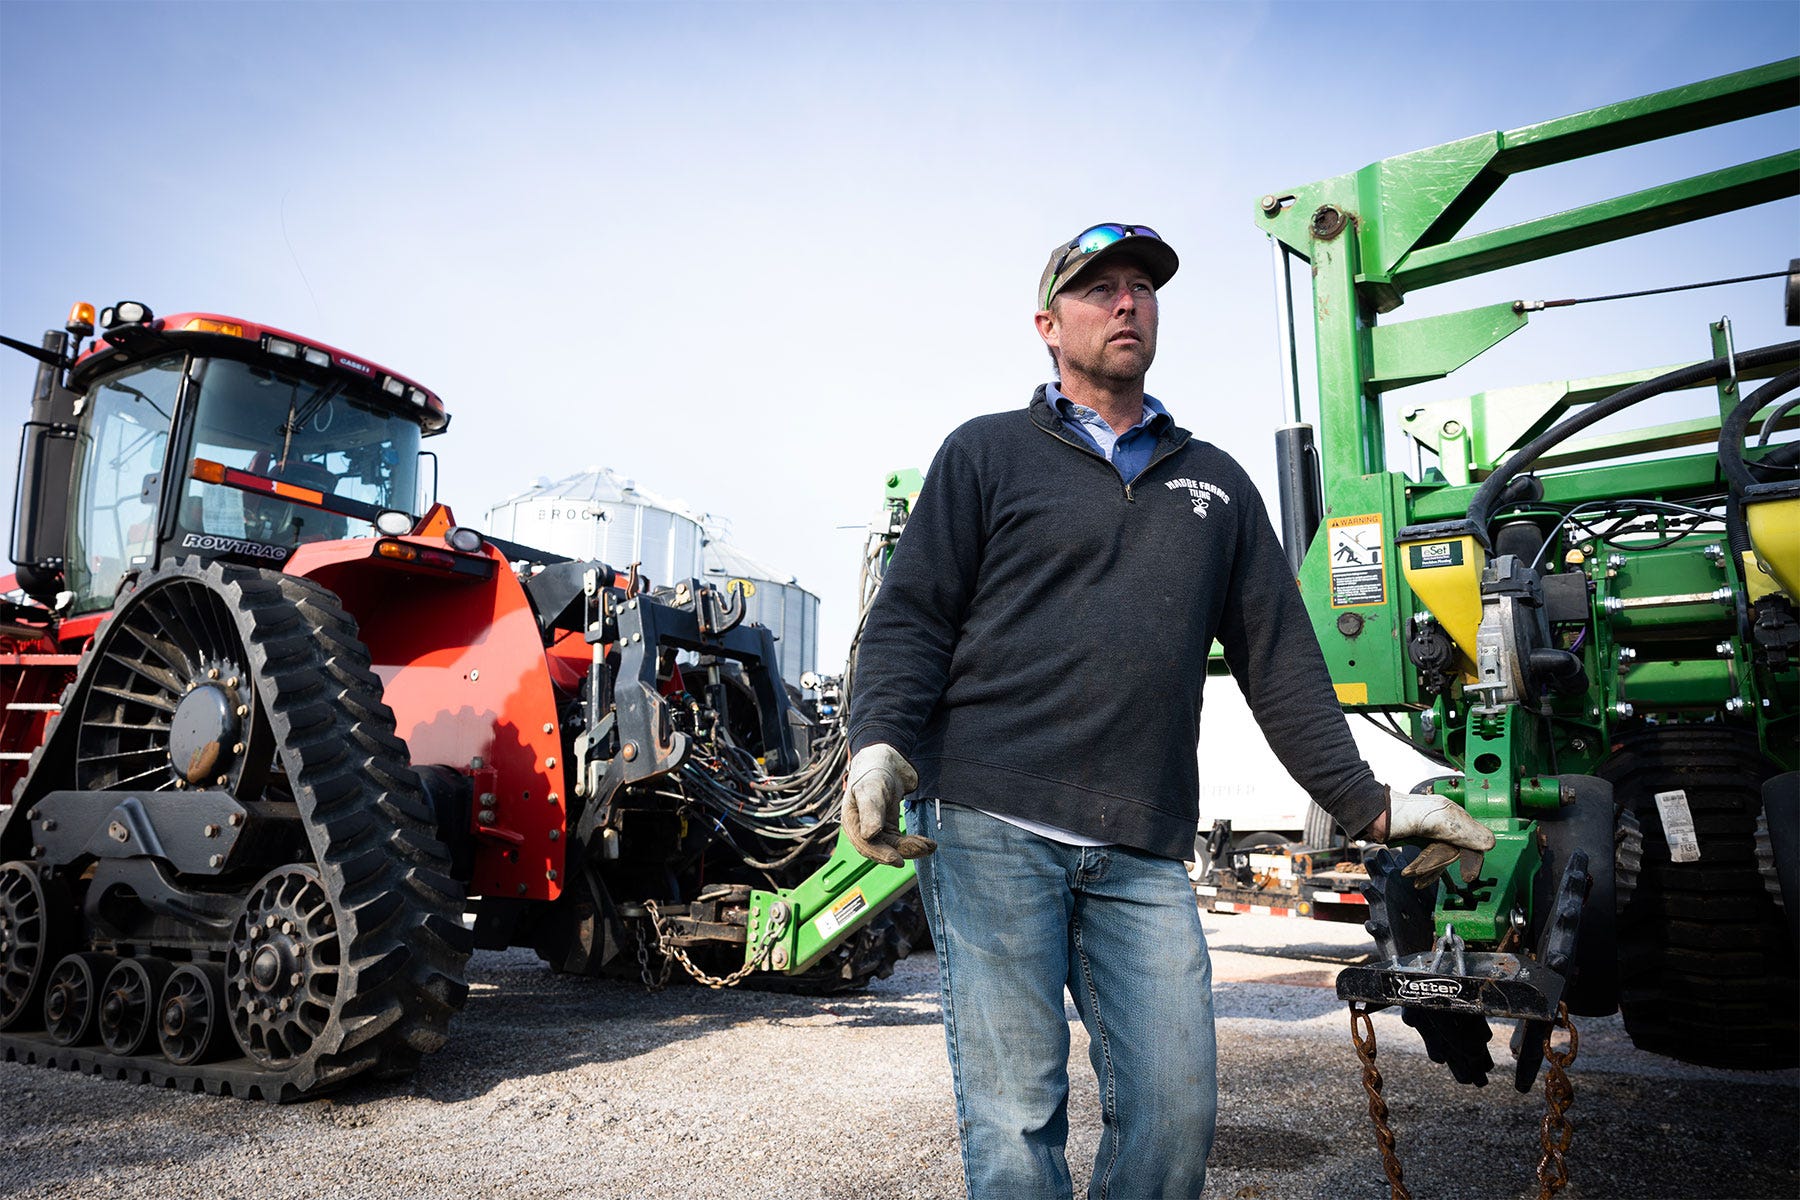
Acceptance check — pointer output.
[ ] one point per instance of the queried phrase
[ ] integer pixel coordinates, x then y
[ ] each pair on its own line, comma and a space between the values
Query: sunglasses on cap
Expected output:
1091, 240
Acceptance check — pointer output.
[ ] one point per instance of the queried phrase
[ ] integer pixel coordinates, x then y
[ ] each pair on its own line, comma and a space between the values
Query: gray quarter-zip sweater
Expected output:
1039, 643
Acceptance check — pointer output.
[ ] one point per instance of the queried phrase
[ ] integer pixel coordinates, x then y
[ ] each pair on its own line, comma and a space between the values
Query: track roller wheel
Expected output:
32, 920
72, 998
128, 1003
189, 1027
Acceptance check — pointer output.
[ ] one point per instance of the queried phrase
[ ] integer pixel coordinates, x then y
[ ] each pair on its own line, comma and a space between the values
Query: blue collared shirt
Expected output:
1128, 452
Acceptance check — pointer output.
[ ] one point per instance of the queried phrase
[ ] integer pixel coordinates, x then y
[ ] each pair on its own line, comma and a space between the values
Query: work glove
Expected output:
1453, 835
879, 777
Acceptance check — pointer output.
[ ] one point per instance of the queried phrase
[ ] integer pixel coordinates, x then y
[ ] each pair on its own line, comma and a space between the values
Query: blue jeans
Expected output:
1017, 919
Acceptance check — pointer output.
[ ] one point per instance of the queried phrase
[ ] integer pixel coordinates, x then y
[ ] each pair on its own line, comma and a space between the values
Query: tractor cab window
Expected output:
324, 434
118, 473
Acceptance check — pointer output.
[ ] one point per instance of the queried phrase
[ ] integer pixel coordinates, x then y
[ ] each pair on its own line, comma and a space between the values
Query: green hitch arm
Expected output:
826, 907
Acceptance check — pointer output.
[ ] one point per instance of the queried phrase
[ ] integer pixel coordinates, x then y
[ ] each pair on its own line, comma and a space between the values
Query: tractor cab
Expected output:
203, 435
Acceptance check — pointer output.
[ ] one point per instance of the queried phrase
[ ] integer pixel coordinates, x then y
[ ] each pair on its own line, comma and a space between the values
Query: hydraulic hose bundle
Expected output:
1493, 491
794, 813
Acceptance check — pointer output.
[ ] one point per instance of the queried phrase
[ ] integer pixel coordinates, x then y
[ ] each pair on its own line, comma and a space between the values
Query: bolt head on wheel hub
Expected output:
174, 1017
60, 999
266, 968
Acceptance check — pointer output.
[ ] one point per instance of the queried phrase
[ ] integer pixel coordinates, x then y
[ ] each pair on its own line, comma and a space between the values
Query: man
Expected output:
1031, 672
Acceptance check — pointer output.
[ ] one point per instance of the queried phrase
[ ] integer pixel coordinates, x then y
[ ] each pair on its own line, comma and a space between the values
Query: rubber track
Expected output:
1707, 968
372, 834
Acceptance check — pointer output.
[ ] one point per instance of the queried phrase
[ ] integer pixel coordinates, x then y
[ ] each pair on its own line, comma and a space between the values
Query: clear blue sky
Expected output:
757, 255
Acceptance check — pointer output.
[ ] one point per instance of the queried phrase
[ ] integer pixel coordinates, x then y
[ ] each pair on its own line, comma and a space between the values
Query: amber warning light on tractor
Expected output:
213, 325
81, 319
207, 471
441, 561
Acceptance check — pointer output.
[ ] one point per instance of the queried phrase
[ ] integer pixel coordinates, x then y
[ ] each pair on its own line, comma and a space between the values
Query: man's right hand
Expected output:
879, 778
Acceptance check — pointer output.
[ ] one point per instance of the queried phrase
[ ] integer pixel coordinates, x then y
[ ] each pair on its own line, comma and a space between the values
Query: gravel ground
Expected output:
554, 1087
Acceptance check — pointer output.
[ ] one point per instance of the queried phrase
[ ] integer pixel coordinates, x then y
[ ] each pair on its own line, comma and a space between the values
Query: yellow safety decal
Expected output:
842, 911
1358, 557
1351, 693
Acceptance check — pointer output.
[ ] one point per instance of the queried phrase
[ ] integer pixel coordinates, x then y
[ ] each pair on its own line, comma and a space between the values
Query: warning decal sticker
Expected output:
841, 913
1678, 826
1357, 572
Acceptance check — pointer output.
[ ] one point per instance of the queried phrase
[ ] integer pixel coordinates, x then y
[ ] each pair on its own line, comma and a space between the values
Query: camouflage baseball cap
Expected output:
1096, 242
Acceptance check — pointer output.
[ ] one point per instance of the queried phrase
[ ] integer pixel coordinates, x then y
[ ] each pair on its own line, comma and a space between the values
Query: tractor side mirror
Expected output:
41, 506
427, 492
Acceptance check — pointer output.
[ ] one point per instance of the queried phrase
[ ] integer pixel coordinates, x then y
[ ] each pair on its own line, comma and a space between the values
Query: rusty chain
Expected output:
1559, 1094
1362, 1032
652, 983
665, 945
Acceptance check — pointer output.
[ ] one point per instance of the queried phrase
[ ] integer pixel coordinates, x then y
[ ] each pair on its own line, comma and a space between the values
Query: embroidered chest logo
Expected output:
1200, 492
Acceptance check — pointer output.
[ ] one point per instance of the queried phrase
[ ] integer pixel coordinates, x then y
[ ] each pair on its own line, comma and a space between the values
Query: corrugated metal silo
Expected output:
599, 513
789, 610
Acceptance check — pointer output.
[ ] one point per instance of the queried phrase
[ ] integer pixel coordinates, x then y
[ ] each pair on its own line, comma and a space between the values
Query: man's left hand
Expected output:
1454, 835
879, 777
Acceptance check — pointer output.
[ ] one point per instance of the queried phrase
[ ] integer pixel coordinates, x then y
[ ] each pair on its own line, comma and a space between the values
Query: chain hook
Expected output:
666, 946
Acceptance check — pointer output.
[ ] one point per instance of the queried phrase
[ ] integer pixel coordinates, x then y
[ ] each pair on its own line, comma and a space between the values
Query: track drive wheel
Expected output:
283, 980
33, 929
1707, 966
216, 676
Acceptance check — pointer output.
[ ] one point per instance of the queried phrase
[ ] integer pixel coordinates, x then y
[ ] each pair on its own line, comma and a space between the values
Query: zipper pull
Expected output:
1129, 498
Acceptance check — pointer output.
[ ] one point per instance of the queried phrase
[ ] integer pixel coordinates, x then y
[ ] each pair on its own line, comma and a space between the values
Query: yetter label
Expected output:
1357, 573
1429, 988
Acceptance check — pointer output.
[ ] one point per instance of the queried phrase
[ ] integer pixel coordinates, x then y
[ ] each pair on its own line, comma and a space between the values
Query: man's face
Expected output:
1103, 326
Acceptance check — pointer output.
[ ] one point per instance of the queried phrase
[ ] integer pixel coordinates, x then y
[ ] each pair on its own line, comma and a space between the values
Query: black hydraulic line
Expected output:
1737, 530
1737, 423
1785, 457
1774, 418
1627, 509
1302, 505
1488, 496
1537, 305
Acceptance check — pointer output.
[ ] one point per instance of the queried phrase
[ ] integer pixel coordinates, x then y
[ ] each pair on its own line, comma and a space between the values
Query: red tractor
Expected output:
283, 742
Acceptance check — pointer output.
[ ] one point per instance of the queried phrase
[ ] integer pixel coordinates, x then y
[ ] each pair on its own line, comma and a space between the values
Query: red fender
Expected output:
463, 667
